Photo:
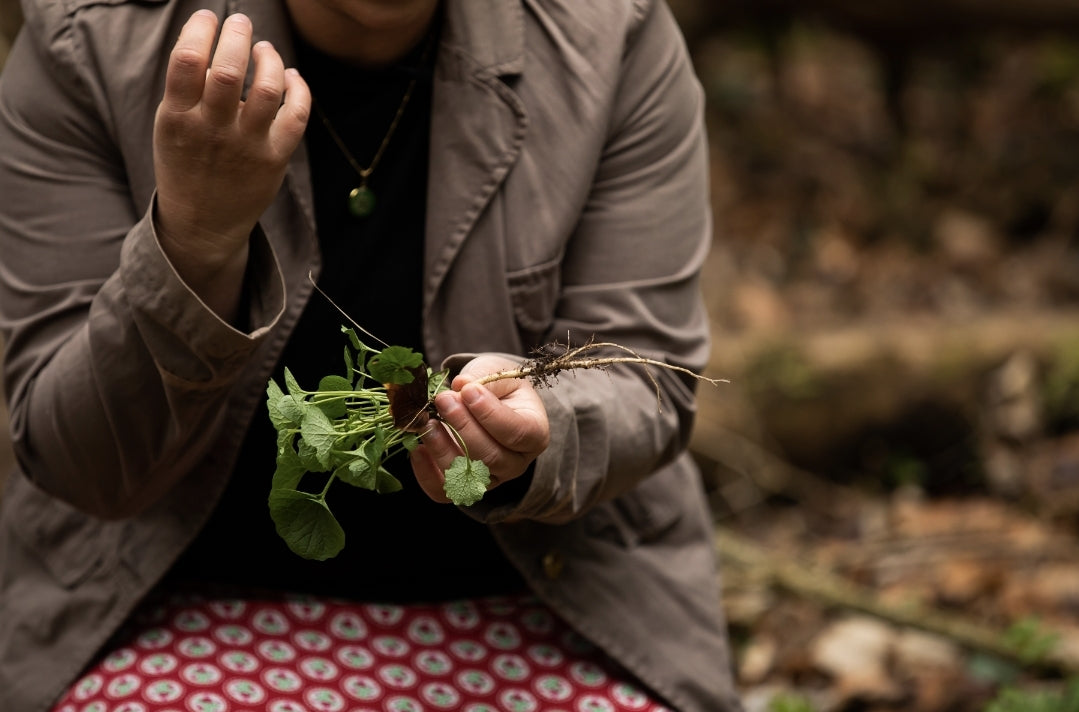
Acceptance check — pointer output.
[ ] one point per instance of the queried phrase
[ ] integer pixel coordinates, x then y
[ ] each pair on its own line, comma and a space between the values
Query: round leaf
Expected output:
306, 524
394, 364
466, 481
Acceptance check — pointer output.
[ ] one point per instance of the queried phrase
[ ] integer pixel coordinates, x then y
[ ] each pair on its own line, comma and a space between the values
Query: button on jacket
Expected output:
567, 196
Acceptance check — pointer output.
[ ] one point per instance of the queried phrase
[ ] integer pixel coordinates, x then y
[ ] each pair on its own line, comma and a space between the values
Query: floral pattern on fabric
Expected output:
310, 655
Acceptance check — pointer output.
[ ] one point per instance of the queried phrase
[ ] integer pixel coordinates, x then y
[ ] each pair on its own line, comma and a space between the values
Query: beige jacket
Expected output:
568, 195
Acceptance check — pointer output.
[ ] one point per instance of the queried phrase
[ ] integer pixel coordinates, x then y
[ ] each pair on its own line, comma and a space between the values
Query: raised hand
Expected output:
219, 159
503, 423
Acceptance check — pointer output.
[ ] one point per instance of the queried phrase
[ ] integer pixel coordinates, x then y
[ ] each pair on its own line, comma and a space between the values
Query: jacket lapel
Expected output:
478, 125
478, 122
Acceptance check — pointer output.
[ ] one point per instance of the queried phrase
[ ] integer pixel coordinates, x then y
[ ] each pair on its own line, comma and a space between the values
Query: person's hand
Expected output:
219, 159
503, 423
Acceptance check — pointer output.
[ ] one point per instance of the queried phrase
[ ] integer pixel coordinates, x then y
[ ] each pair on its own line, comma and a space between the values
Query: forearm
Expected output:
116, 407
219, 285
120, 350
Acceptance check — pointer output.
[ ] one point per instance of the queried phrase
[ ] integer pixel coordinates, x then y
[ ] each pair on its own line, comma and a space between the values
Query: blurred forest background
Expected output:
894, 288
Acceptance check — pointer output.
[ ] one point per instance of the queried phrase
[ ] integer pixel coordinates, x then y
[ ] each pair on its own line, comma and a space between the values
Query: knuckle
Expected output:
188, 60
443, 453
441, 444
174, 131
300, 115
226, 75
461, 419
532, 444
264, 92
495, 459
520, 438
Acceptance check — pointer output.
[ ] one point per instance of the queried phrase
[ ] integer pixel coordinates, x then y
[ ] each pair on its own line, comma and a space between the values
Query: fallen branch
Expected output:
828, 589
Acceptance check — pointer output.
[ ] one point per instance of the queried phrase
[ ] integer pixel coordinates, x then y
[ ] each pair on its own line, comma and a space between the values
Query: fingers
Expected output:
267, 87
520, 428
428, 471
506, 439
225, 78
186, 73
288, 128
278, 100
481, 446
502, 423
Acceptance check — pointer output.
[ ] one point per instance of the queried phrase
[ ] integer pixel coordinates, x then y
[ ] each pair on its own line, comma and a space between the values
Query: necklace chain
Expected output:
361, 200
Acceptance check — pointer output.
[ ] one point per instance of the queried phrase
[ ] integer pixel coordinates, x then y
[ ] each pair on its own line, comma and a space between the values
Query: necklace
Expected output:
361, 199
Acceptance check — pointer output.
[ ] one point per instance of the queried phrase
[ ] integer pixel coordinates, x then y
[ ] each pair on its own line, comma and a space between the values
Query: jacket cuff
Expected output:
186, 338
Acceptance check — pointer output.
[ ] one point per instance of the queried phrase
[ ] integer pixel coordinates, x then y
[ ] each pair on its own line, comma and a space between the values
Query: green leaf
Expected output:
386, 483
1071, 695
410, 441
293, 386
334, 407
362, 470
333, 384
392, 365
466, 481
274, 394
306, 524
292, 410
378, 443
1030, 640
290, 469
353, 338
359, 473
437, 381
350, 368
309, 457
318, 432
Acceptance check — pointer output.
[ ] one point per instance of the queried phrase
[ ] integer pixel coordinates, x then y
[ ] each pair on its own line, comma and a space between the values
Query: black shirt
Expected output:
400, 546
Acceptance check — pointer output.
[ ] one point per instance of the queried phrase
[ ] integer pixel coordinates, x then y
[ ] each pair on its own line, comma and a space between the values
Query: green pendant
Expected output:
361, 201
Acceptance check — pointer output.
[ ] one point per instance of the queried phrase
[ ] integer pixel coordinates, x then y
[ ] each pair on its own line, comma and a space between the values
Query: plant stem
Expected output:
326, 489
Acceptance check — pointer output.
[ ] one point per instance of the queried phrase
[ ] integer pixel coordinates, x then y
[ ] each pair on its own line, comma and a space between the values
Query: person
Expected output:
471, 179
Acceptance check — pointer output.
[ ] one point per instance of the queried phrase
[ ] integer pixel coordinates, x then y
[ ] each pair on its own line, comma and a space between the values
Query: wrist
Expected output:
212, 265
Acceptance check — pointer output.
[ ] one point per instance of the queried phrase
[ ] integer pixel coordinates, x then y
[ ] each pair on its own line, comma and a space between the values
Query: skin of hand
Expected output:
503, 423
220, 159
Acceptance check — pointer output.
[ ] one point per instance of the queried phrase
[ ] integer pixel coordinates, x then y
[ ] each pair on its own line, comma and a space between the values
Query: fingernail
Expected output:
446, 403
435, 435
472, 395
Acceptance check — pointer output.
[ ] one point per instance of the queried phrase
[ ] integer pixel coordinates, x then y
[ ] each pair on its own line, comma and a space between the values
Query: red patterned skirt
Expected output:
509, 654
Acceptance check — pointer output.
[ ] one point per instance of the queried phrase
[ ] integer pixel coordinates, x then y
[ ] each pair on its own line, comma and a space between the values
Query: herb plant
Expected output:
352, 424
347, 428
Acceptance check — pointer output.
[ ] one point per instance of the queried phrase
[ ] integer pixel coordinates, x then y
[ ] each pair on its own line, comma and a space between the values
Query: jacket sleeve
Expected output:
630, 275
115, 372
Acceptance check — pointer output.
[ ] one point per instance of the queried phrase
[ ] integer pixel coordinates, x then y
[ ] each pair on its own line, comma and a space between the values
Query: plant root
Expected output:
550, 360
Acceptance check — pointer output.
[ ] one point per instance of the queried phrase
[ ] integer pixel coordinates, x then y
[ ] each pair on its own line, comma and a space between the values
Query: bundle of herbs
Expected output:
350, 425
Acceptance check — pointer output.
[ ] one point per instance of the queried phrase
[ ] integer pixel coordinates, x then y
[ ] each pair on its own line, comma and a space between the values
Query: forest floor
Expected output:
894, 289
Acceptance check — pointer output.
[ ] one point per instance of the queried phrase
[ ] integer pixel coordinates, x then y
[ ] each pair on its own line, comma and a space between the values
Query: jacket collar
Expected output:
490, 32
